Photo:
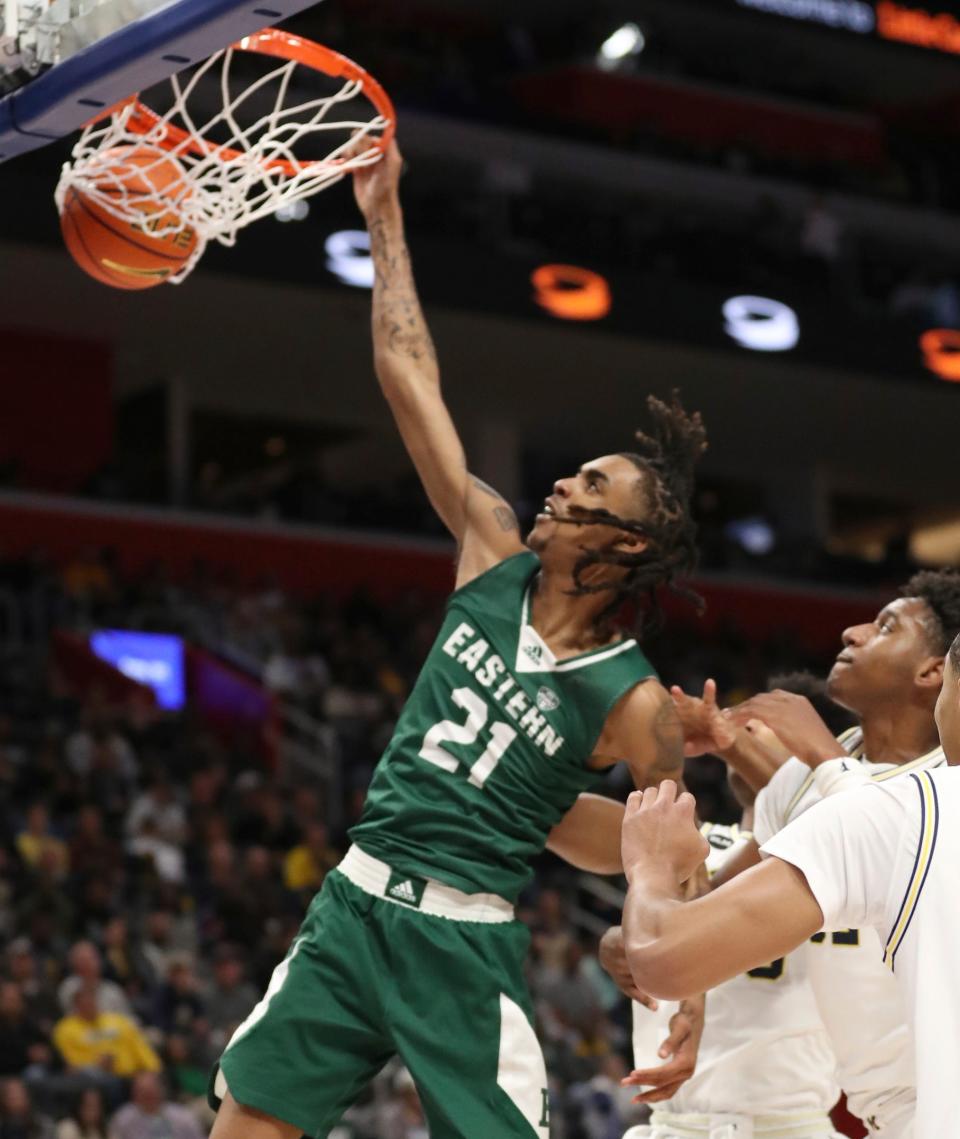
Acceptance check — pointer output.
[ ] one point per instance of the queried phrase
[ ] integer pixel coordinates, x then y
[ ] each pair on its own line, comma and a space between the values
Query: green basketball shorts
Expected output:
386, 964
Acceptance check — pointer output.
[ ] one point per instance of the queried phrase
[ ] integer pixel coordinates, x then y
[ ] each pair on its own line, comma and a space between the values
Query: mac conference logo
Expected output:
547, 699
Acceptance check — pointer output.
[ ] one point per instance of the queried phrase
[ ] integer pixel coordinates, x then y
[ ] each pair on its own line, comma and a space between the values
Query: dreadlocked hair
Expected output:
940, 590
667, 455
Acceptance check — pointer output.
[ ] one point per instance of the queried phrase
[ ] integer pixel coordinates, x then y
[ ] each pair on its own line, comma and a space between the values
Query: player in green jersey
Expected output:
529, 692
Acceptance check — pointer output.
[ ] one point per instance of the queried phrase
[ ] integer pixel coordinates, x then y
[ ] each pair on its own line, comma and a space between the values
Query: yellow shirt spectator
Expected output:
92, 1039
306, 865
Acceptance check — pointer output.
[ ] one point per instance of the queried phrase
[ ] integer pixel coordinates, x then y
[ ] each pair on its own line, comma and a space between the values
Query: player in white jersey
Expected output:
765, 1066
889, 674
884, 856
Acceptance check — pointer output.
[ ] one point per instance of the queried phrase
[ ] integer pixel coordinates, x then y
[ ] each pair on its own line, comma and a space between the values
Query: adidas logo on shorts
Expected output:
404, 892
405, 888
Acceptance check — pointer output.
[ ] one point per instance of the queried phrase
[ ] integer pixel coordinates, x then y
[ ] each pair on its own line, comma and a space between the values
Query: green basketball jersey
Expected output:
491, 749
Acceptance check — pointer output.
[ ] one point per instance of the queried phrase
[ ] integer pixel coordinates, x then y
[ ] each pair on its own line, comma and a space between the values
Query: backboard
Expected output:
69, 60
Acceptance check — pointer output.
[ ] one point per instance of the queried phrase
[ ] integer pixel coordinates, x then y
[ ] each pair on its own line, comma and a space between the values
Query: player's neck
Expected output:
898, 735
566, 622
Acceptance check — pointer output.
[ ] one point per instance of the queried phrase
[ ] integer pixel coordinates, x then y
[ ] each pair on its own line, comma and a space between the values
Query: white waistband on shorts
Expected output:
785, 1125
373, 876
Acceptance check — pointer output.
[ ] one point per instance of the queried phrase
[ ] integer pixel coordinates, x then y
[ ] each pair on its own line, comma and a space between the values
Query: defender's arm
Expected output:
675, 948
405, 360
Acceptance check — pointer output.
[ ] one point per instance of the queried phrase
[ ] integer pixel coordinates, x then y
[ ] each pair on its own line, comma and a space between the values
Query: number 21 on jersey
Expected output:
465, 734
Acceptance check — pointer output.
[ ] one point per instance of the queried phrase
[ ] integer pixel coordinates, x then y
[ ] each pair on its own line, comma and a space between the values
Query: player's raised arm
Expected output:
482, 522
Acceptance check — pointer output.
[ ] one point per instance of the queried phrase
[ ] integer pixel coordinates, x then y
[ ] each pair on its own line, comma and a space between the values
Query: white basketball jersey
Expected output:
889, 859
764, 1049
859, 1002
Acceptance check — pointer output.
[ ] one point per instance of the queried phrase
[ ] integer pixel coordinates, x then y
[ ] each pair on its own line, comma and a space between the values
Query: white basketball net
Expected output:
219, 192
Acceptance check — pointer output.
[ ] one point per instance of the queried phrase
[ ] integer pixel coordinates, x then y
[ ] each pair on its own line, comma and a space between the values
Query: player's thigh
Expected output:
318, 1035
465, 1031
234, 1121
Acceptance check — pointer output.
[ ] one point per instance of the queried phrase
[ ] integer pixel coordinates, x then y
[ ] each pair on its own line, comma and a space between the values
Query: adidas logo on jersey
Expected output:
534, 652
547, 699
404, 892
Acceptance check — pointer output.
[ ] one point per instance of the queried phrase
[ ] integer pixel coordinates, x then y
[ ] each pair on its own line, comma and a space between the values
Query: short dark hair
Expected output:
940, 591
667, 456
807, 684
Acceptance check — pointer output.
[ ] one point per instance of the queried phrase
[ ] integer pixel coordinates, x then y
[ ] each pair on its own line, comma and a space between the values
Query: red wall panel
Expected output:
56, 411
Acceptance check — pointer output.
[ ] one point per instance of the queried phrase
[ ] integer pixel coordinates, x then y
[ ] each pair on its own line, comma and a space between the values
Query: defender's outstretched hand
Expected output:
706, 727
660, 836
795, 722
679, 1051
376, 185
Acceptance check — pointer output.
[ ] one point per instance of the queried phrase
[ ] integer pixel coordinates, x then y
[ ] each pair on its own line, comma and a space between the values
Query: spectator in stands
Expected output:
96, 735
552, 934
102, 1044
164, 857
39, 847
262, 889
92, 852
604, 1107
150, 1115
159, 805
40, 998
231, 997
263, 818
87, 577
158, 940
18, 1117
123, 959
46, 913
821, 235
224, 909
187, 1062
87, 1118
86, 969
23, 1041
179, 1005
308, 863
570, 993
108, 781
402, 1116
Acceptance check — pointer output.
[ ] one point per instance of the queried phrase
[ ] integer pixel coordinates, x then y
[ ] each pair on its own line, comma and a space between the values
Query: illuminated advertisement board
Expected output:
153, 659
927, 27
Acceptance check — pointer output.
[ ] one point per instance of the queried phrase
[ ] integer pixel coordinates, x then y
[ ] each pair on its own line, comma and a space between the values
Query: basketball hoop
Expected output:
246, 145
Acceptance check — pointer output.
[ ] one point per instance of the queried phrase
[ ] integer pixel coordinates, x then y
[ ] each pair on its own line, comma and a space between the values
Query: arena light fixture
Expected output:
293, 211
348, 257
940, 348
761, 324
570, 292
628, 40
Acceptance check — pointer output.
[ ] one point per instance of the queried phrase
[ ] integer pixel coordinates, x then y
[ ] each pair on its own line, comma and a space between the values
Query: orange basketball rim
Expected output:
281, 45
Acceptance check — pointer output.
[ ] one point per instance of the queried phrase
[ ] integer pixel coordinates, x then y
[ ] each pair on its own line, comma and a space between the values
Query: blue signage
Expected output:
153, 659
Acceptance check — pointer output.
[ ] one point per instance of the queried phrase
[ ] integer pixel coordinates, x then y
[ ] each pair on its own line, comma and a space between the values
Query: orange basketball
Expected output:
129, 254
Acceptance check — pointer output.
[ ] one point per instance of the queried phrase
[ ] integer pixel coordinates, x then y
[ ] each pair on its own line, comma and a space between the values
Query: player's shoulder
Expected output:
514, 572
788, 779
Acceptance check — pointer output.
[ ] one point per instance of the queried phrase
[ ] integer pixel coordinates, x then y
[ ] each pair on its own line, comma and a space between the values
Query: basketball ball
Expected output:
129, 254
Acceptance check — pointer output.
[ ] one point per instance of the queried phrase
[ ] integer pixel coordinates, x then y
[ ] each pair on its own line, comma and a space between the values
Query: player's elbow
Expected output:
661, 972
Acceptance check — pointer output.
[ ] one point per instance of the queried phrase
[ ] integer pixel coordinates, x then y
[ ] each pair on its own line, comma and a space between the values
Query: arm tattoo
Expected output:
398, 321
506, 519
668, 741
